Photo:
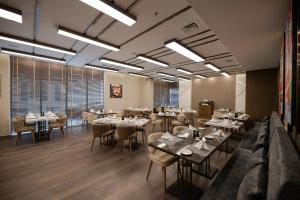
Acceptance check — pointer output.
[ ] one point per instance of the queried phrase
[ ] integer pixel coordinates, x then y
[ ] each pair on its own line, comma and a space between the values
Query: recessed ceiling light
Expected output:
151, 60
78, 36
140, 75
167, 80
18, 40
117, 63
179, 48
10, 13
28, 55
164, 74
184, 71
112, 10
183, 79
200, 76
212, 67
101, 68
225, 74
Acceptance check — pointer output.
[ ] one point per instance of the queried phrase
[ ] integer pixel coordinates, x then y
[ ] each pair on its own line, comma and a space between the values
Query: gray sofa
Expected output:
279, 179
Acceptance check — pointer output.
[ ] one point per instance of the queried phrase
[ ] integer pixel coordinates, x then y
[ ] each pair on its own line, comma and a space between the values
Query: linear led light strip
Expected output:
34, 44
167, 75
101, 68
78, 36
139, 75
10, 13
112, 10
28, 55
212, 67
184, 71
113, 62
225, 74
200, 76
183, 79
179, 48
167, 80
151, 60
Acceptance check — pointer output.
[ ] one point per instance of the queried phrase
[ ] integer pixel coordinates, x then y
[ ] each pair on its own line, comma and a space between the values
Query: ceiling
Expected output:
251, 36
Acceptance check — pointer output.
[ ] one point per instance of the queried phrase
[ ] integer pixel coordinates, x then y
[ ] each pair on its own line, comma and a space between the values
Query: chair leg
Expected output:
92, 144
149, 169
17, 139
62, 131
165, 178
32, 135
50, 133
143, 137
129, 141
117, 145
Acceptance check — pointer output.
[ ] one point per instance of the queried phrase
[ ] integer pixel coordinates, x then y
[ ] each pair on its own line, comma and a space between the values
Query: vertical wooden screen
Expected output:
165, 93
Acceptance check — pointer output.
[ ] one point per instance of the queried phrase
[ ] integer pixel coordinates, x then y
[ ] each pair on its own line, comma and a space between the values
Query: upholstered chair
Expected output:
19, 126
91, 118
126, 133
85, 117
59, 123
189, 118
102, 131
178, 121
178, 129
158, 157
155, 121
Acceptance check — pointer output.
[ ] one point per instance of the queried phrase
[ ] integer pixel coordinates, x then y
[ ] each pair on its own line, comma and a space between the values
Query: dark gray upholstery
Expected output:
228, 181
257, 158
274, 123
250, 137
262, 139
254, 184
284, 168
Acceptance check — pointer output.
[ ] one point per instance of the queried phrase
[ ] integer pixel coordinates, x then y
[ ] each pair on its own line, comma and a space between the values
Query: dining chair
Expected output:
155, 121
91, 117
59, 123
142, 129
178, 129
85, 118
159, 157
189, 118
20, 126
178, 121
102, 131
126, 133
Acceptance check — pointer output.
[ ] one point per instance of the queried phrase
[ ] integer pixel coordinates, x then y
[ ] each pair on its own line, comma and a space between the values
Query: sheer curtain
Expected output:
165, 93
38, 86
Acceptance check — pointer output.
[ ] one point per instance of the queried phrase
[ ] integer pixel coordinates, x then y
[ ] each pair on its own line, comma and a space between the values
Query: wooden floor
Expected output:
65, 168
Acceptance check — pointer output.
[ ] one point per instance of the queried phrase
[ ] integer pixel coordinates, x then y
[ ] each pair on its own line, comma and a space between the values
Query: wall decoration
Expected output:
288, 66
281, 80
116, 91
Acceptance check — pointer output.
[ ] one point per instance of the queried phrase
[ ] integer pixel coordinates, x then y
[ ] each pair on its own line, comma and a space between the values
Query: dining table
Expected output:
198, 161
41, 122
167, 119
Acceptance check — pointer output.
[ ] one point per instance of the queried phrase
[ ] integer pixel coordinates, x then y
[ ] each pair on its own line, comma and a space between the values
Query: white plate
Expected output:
186, 152
183, 135
161, 145
209, 137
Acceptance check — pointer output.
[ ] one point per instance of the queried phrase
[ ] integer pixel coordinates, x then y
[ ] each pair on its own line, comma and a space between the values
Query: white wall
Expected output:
185, 94
5, 95
240, 93
137, 91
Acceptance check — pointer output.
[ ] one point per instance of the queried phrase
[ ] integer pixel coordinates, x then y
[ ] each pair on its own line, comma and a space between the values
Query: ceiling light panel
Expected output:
181, 49
34, 56
101, 68
166, 75
184, 71
151, 60
11, 13
120, 64
112, 10
225, 74
212, 67
22, 41
167, 80
139, 75
183, 79
78, 36
200, 76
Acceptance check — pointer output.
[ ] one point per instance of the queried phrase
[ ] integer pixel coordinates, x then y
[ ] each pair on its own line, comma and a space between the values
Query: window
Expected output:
165, 93
38, 86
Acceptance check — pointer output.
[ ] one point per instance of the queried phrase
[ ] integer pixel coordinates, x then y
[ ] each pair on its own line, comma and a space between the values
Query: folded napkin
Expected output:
136, 117
201, 144
115, 116
167, 136
92, 110
98, 112
50, 113
220, 133
191, 127
110, 111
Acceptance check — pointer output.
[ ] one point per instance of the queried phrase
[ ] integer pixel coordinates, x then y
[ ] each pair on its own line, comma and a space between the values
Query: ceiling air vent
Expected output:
191, 28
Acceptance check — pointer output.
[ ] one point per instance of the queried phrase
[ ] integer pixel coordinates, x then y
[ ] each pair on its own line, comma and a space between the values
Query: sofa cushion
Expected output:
262, 138
254, 184
250, 137
274, 123
258, 157
284, 168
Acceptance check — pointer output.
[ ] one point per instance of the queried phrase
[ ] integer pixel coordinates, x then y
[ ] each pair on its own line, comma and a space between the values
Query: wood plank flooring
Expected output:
65, 168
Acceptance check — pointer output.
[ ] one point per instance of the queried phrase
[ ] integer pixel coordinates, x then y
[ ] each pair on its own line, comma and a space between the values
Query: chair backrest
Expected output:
188, 115
100, 129
153, 117
124, 131
18, 123
84, 115
62, 120
180, 117
91, 117
151, 138
178, 129
22, 117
